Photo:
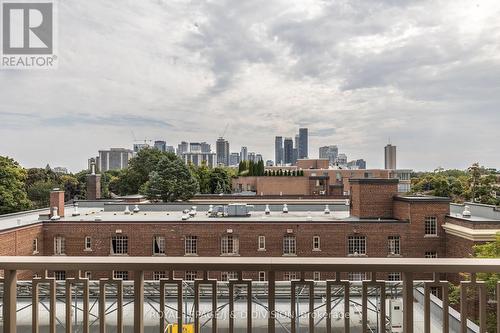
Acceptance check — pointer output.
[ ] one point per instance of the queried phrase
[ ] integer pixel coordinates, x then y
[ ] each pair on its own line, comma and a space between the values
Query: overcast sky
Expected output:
425, 74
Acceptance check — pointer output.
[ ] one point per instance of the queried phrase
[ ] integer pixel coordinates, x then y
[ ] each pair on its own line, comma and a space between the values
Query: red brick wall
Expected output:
372, 199
57, 200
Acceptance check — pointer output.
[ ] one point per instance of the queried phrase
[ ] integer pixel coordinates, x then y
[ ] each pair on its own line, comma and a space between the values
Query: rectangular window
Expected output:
88, 275
289, 276
190, 275
120, 275
262, 243
226, 276
60, 275
289, 245
356, 245
316, 243
88, 243
119, 244
35, 245
317, 276
159, 275
431, 226
262, 276
59, 245
357, 276
229, 245
431, 254
158, 245
394, 245
394, 276
190, 245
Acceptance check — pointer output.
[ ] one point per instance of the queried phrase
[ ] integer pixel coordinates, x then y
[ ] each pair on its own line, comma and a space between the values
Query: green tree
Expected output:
39, 192
13, 196
220, 181
170, 180
202, 174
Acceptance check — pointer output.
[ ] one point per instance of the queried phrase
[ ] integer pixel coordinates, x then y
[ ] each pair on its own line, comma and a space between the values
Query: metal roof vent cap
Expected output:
192, 212
185, 217
327, 209
210, 209
136, 209
267, 210
55, 217
285, 208
127, 210
75, 210
466, 212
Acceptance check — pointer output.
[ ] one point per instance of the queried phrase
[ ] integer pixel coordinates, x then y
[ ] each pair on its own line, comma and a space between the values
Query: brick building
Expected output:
375, 222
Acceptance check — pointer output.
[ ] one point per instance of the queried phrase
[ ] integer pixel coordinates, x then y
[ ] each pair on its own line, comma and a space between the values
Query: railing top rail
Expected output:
340, 264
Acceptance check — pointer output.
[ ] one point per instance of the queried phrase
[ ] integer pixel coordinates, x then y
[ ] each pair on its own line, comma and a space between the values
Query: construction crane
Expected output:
224, 132
145, 140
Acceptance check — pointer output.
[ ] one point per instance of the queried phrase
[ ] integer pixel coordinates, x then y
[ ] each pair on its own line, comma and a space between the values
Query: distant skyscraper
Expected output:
303, 151
198, 158
195, 147
357, 164
288, 151
139, 146
170, 149
234, 159
341, 160
222, 150
251, 156
329, 152
205, 147
114, 159
244, 154
278, 150
182, 148
390, 157
258, 157
160, 145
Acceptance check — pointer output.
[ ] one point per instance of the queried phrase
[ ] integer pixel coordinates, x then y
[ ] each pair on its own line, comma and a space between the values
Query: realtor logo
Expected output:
28, 35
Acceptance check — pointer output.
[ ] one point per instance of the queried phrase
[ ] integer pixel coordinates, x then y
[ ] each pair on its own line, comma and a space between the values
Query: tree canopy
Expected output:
13, 196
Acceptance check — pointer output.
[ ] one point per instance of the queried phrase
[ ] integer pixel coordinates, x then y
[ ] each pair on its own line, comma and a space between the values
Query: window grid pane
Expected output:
356, 245
430, 225
394, 245
289, 245
191, 245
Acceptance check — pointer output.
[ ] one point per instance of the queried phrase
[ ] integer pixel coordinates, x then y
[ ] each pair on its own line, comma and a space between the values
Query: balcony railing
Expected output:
171, 293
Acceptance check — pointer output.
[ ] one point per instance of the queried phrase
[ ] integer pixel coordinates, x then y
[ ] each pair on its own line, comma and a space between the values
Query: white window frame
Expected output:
394, 276
229, 245
88, 275
87, 243
289, 245
356, 245
289, 276
120, 275
190, 275
431, 254
59, 245
317, 276
157, 275
191, 245
262, 276
316, 243
394, 245
121, 245
227, 276
357, 276
35, 245
158, 246
430, 226
261, 243
60, 275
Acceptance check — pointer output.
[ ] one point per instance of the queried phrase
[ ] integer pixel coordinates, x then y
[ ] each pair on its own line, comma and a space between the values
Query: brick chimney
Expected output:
372, 198
57, 201
93, 185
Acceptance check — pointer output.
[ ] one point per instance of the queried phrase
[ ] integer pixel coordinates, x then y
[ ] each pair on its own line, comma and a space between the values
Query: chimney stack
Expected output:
372, 198
93, 184
57, 201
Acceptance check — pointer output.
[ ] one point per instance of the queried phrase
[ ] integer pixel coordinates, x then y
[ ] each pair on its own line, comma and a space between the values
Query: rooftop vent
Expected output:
267, 210
285, 208
75, 210
127, 210
55, 217
136, 209
327, 209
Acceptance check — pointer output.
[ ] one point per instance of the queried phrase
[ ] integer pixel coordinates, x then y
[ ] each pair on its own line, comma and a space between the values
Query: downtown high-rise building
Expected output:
244, 154
222, 151
302, 149
182, 148
234, 159
205, 147
278, 150
288, 151
160, 145
329, 152
390, 157
113, 159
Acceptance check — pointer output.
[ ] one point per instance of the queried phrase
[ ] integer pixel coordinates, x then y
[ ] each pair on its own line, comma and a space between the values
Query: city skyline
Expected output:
315, 66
